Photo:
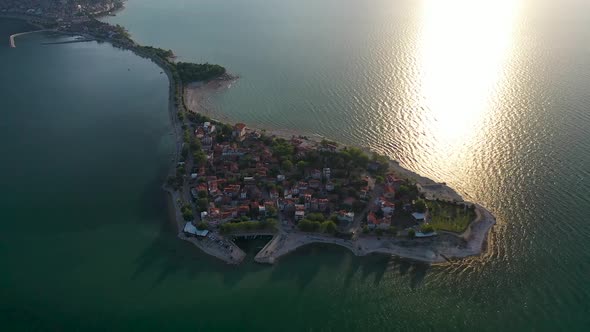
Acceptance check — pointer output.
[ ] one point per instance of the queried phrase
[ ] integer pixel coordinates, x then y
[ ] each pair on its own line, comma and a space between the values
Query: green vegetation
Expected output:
324, 226
202, 203
392, 230
199, 157
244, 226
193, 72
155, 51
329, 226
356, 157
187, 212
184, 152
316, 217
407, 192
427, 228
122, 31
283, 149
379, 165
411, 233
420, 206
287, 165
174, 182
450, 217
202, 225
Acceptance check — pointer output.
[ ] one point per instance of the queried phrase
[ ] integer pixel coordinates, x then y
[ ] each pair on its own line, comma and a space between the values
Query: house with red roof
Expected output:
243, 210
315, 184
374, 222
239, 131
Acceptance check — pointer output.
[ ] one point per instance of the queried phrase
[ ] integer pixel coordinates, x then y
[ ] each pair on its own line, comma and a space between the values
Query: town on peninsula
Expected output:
230, 181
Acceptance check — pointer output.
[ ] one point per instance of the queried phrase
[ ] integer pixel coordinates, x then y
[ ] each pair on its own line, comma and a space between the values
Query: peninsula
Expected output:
230, 181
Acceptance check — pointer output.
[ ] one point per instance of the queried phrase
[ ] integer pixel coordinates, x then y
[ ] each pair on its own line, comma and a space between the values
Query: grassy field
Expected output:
448, 217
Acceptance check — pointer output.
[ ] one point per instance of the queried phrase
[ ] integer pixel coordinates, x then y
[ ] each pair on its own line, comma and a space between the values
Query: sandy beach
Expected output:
197, 97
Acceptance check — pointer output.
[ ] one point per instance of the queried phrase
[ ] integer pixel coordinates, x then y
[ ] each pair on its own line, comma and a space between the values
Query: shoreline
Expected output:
12, 38
283, 243
475, 235
422, 250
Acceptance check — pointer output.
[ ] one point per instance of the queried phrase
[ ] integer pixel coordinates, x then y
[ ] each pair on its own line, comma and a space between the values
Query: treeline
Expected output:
193, 72
236, 227
159, 52
316, 222
327, 226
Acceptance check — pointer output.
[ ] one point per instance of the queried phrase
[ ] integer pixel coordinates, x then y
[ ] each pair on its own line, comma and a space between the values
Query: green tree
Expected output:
282, 148
199, 157
195, 144
309, 226
427, 228
287, 165
271, 211
420, 206
202, 225
357, 157
411, 233
187, 213
203, 203
305, 225
271, 222
193, 72
392, 230
403, 190
316, 216
301, 165
329, 227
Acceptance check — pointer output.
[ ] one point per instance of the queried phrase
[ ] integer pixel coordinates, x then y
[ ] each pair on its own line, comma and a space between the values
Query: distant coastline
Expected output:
427, 250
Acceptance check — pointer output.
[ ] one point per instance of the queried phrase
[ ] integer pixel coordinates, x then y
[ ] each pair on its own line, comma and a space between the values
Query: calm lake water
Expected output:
491, 97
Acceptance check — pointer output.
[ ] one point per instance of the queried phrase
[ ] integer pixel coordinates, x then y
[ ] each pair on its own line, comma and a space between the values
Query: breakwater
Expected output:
12, 39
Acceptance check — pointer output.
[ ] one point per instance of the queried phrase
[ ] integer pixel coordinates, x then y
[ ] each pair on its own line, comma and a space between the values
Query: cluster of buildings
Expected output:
233, 185
381, 210
312, 195
58, 9
242, 177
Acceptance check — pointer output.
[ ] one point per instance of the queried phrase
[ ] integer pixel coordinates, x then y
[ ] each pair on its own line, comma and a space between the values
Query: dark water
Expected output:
499, 110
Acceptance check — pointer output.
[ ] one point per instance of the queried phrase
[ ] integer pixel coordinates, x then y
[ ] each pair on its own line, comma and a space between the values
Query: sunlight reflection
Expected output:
463, 48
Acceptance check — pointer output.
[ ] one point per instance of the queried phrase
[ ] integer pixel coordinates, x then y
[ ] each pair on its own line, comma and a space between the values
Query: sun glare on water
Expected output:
463, 48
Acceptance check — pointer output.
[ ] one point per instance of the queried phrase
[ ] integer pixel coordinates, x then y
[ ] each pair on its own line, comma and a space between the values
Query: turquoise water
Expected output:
84, 236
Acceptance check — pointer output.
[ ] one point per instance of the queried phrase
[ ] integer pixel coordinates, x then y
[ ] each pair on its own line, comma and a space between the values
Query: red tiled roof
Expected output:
371, 219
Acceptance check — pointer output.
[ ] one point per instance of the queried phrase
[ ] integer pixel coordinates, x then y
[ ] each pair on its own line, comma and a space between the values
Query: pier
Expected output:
13, 37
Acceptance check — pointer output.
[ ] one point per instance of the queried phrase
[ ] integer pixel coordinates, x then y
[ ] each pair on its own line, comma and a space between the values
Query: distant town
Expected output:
60, 10
230, 181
